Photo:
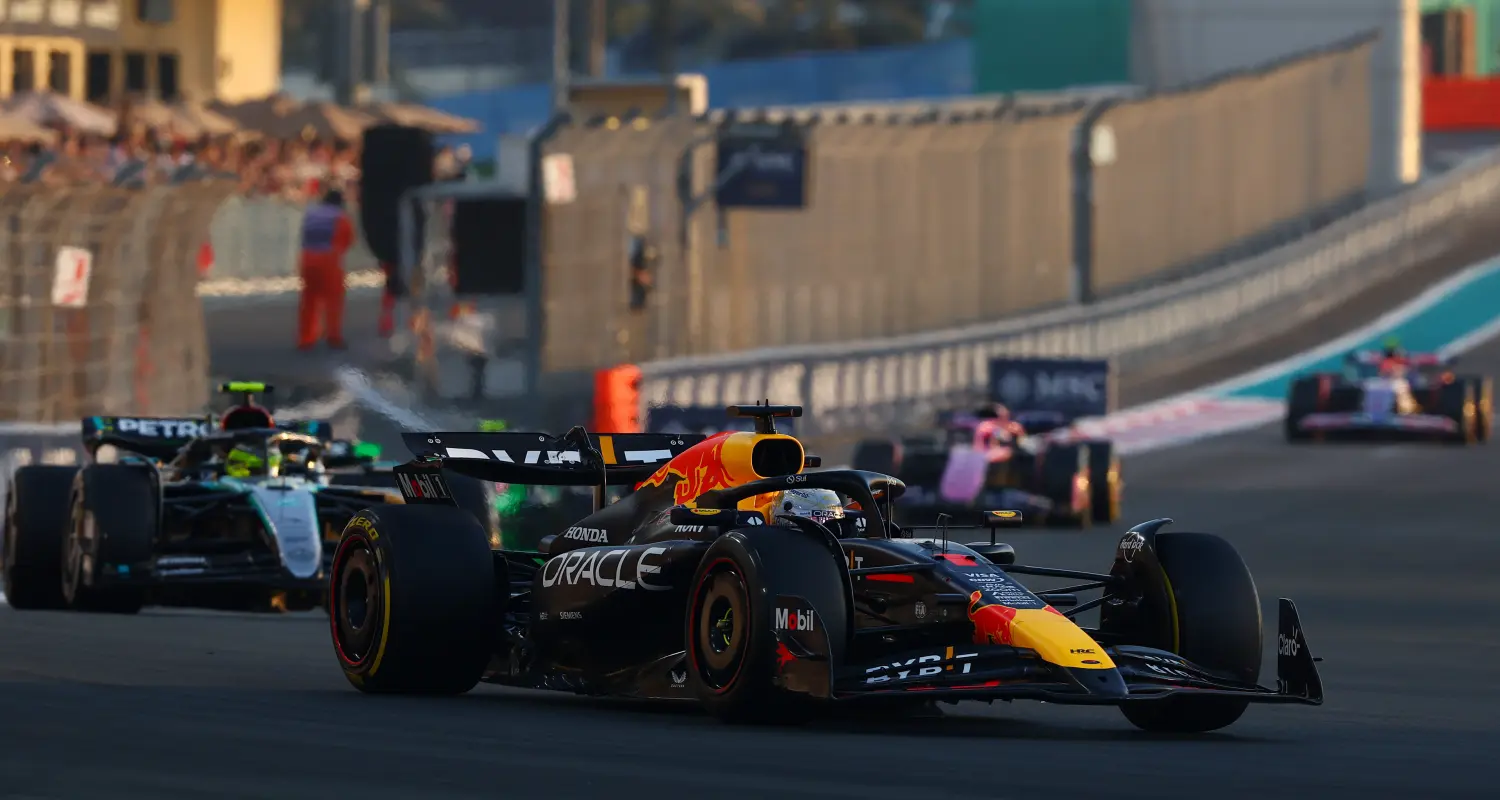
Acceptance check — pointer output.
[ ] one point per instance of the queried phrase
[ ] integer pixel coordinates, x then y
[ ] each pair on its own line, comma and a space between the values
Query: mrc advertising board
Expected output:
1070, 387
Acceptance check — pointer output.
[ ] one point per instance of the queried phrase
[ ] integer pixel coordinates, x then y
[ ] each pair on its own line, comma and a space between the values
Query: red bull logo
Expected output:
991, 622
783, 656
698, 469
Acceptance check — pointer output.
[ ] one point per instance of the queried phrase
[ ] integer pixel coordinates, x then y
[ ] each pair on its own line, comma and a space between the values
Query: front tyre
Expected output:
1216, 623
412, 602
113, 528
731, 644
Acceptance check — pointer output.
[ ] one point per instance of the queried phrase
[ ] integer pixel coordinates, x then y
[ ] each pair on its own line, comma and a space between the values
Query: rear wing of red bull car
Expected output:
578, 458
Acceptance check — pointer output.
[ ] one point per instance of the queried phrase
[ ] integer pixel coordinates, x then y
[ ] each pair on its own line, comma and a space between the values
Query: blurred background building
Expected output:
491, 60
103, 50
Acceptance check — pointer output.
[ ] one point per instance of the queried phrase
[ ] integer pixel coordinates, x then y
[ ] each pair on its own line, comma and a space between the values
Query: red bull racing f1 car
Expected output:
732, 578
1388, 394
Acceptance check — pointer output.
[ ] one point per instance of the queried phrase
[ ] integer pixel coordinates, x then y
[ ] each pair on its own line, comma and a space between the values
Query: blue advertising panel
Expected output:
1072, 387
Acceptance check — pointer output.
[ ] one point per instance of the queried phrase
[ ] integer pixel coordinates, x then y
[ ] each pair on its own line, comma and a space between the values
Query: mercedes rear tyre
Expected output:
36, 520
412, 600
1215, 622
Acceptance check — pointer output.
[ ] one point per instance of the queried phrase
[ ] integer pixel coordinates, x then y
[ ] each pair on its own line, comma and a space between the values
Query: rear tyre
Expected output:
36, 520
412, 602
112, 529
1216, 610
1104, 482
1302, 399
1484, 405
876, 455
1457, 401
1061, 467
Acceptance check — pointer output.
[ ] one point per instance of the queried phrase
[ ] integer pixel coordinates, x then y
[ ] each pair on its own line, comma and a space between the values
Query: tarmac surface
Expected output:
1389, 551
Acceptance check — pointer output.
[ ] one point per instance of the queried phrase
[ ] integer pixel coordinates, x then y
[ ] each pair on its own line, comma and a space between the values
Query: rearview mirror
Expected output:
994, 520
1001, 519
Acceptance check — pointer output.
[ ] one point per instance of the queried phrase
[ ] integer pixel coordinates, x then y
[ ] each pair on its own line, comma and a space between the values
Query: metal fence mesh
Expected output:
138, 343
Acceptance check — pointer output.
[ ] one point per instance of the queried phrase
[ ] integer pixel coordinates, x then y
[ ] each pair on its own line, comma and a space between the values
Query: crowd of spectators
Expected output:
297, 170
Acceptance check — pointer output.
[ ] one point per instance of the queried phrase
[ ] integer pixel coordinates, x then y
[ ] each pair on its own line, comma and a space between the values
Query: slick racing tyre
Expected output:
36, 517
1059, 469
732, 646
412, 600
1484, 404
1304, 398
1216, 623
877, 455
1105, 486
112, 528
1459, 402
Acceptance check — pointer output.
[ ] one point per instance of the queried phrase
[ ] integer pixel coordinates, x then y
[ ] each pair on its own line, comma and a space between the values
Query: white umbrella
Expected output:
50, 108
20, 129
185, 118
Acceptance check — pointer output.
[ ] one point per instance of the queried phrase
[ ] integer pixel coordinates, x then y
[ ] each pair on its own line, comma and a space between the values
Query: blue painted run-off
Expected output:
1468, 307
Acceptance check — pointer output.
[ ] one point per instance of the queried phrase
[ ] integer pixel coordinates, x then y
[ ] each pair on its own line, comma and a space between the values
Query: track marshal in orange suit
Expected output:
327, 234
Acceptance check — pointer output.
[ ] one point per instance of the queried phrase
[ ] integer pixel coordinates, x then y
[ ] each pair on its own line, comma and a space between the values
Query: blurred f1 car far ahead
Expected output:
1020, 452
1390, 394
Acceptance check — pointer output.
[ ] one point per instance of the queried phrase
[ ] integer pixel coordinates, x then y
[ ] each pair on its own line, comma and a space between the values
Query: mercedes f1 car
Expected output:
702, 585
962, 469
1390, 395
232, 514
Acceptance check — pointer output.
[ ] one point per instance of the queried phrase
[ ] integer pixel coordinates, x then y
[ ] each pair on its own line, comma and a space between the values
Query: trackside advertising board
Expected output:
1072, 387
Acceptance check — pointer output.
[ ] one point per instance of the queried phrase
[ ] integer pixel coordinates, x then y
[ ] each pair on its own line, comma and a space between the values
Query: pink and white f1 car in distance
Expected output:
1029, 462
1389, 394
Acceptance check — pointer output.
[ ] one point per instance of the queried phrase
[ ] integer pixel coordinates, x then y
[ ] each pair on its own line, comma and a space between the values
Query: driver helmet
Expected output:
1391, 347
245, 461
820, 505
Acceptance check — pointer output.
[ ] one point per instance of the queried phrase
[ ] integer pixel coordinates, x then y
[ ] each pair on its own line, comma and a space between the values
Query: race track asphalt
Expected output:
1390, 552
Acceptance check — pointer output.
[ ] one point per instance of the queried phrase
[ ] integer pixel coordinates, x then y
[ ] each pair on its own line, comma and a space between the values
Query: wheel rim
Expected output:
1115, 495
355, 610
75, 552
720, 613
10, 533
